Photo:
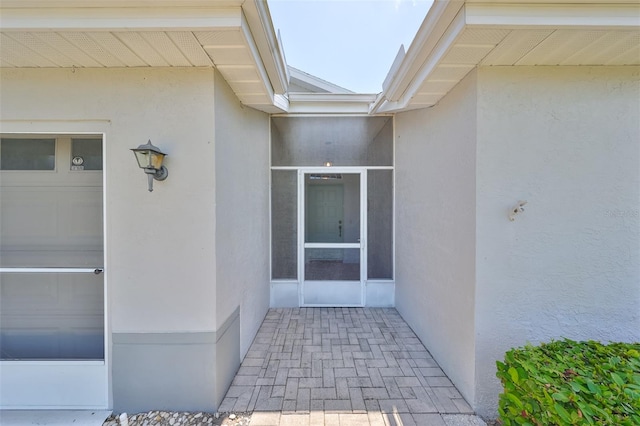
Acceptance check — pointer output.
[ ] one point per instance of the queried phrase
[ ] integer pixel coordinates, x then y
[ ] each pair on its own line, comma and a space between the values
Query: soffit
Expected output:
113, 37
522, 35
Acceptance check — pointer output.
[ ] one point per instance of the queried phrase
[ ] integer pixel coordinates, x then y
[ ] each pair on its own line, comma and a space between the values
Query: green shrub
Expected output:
571, 383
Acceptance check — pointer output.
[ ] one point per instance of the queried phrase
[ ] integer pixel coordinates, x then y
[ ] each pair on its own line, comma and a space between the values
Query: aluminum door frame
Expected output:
302, 245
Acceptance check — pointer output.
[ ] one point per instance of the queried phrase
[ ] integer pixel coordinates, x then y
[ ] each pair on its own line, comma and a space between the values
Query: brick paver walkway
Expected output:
343, 366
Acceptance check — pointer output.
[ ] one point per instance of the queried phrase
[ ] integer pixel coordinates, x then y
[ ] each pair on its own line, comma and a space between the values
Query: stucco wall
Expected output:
567, 140
155, 284
242, 212
435, 229
161, 255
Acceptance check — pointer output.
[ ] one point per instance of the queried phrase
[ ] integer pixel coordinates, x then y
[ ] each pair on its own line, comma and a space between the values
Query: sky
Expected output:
351, 43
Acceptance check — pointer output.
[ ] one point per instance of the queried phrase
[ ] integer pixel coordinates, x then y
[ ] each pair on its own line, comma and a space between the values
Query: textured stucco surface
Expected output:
435, 229
473, 284
155, 284
242, 212
567, 140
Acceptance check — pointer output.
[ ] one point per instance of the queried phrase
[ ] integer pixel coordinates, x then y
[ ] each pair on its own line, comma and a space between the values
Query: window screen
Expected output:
27, 154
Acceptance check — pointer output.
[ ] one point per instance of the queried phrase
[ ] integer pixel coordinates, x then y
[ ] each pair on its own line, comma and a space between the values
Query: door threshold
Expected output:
333, 305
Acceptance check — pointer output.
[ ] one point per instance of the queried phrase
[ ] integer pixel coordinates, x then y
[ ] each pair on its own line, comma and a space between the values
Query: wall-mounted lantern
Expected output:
150, 159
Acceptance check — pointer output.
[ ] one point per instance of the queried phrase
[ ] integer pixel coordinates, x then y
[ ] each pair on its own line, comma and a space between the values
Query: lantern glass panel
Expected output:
156, 160
143, 159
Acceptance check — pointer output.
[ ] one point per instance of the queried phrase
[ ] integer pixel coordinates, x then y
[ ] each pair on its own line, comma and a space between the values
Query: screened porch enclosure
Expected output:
332, 211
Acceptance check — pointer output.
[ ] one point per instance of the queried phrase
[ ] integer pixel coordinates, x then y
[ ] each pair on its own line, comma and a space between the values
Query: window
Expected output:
27, 154
86, 154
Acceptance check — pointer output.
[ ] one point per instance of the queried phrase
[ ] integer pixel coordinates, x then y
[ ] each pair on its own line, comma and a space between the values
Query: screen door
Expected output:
332, 246
52, 334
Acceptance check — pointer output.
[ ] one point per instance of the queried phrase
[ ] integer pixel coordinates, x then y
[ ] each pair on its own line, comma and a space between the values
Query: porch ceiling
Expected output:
500, 34
540, 47
139, 36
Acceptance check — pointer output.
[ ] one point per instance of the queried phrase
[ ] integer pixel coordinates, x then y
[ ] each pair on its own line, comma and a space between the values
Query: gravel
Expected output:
170, 418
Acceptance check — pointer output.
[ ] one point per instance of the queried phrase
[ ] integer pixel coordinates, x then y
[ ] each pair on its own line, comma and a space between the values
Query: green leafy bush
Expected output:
571, 383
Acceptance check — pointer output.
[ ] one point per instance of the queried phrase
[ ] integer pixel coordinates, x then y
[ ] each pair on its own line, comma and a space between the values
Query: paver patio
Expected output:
343, 366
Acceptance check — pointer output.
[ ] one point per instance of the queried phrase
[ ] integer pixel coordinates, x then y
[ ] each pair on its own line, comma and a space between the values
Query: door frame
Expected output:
60, 378
302, 245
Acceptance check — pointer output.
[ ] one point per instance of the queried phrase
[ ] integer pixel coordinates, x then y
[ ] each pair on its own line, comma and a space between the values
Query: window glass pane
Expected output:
380, 224
53, 316
341, 141
332, 264
284, 224
332, 208
49, 227
27, 154
86, 154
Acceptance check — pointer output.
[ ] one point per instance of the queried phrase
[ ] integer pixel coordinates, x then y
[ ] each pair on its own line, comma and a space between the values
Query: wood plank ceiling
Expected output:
526, 47
230, 50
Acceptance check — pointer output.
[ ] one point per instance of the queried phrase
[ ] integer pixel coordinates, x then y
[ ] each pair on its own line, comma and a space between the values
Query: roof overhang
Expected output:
313, 84
330, 103
458, 36
234, 36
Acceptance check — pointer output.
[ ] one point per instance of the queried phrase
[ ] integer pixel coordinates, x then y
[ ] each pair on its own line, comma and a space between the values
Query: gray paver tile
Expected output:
431, 371
421, 405
227, 404
323, 393
345, 372
391, 371
439, 381
376, 378
393, 406
342, 388
271, 418
294, 420
331, 419
375, 418
291, 390
392, 387
317, 405
235, 391
328, 377
366, 365
354, 419
277, 391
399, 419
407, 382
269, 404
337, 405
462, 420
359, 382
463, 406
310, 382
253, 362
357, 399
245, 380
375, 393
429, 420
289, 406
372, 405
316, 418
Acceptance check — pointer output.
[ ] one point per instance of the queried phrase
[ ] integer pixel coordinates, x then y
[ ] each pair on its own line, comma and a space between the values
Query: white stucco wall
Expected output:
567, 140
161, 245
435, 229
242, 212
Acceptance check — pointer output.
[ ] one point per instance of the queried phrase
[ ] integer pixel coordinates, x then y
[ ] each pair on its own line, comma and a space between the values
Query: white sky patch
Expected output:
351, 43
